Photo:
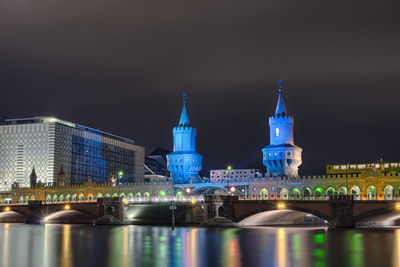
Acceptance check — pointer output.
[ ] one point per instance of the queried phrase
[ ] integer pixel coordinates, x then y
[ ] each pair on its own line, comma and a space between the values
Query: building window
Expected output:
276, 132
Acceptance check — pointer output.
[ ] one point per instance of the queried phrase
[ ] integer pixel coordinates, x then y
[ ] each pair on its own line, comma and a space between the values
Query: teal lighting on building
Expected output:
184, 162
281, 157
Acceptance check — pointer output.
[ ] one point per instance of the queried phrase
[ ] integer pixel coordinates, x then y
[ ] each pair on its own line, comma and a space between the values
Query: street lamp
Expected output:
227, 175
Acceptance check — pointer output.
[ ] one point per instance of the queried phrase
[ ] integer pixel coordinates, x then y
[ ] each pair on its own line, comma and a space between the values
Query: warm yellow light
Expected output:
188, 190
7, 209
397, 206
67, 207
194, 201
126, 202
281, 206
229, 167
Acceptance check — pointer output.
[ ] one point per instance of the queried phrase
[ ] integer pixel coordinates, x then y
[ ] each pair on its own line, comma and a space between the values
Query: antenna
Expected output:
184, 97
280, 83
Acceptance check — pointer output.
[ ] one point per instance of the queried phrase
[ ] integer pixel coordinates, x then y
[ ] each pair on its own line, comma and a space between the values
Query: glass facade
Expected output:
49, 144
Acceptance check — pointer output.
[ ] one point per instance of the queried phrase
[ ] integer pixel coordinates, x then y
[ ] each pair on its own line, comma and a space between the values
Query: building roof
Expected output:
46, 119
184, 120
280, 106
160, 152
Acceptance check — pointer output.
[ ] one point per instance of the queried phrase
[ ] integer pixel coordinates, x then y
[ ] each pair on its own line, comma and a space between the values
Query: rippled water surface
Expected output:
82, 245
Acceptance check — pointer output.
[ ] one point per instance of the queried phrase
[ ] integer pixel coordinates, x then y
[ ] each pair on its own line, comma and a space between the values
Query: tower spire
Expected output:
280, 106
184, 120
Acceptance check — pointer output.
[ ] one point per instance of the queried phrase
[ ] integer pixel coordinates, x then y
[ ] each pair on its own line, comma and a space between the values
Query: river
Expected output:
83, 245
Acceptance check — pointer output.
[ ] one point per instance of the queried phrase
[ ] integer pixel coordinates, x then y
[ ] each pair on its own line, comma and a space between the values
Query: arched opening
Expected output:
90, 197
33, 197
74, 197
371, 192
356, 192
61, 198
282, 217
122, 195
11, 217
99, 195
27, 199
284, 194
389, 192
306, 193
295, 194
319, 193
146, 194
162, 194
21, 199
48, 198
115, 195
221, 211
179, 195
130, 196
330, 192
264, 193
342, 191
81, 197
55, 198
66, 216
107, 195
68, 198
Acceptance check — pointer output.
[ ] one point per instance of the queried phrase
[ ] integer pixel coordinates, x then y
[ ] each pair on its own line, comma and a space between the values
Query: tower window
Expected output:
276, 132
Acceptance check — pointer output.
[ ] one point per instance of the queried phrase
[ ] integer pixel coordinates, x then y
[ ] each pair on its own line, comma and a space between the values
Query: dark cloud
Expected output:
121, 66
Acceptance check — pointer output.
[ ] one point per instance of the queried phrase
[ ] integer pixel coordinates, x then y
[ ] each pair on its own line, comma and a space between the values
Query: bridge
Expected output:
338, 211
107, 210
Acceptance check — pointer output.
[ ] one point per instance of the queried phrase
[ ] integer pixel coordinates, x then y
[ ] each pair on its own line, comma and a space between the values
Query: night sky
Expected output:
121, 66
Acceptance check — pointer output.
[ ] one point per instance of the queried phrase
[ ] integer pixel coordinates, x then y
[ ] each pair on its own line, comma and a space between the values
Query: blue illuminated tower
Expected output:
282, 157
184, 162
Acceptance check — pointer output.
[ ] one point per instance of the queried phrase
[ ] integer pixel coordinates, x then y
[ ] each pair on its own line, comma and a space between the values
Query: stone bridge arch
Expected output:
251, 208
378, 213
66, 216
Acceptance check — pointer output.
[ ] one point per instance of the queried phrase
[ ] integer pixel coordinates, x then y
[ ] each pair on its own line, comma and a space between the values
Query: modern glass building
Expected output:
50, 144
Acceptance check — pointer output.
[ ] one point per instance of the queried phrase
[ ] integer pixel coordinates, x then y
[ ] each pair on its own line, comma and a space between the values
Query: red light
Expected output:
188, 190
232, 189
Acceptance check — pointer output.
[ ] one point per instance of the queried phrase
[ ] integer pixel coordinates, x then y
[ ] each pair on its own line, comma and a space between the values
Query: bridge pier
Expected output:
341, 211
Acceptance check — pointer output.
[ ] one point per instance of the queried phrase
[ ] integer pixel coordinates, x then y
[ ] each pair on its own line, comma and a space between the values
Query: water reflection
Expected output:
78, 245
281, 247
67, 254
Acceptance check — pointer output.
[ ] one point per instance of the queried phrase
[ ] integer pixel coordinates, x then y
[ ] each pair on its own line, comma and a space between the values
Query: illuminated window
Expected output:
353, 166
394, 164
362, 166
386, 165
276, 131
343, 167
336, 167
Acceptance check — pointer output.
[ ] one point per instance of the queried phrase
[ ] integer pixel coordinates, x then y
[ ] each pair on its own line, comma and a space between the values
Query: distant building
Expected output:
281, 157
184, 162
349, 168
222, 174
155, 166
52, 146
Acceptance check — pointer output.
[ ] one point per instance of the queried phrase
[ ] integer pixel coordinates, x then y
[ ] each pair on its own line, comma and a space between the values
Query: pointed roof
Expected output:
33, 173
184, 120
280, 106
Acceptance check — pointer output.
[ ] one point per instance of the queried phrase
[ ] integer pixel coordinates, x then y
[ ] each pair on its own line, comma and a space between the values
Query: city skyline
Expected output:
125, 76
